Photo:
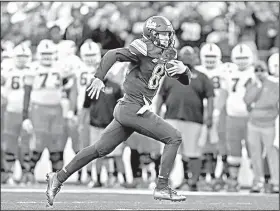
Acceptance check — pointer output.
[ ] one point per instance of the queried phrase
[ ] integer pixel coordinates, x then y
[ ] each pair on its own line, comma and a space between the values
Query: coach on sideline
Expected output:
262, 99
184, 111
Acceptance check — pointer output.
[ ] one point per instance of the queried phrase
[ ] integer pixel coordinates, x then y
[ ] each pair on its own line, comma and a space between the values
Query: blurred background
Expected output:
116, 24
225, 23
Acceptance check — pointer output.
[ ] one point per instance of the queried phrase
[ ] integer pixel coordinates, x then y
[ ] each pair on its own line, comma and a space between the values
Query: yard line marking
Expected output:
135, 192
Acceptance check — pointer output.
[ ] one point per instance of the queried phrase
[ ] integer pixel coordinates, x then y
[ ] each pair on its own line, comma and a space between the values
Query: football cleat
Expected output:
53, 188
168, 193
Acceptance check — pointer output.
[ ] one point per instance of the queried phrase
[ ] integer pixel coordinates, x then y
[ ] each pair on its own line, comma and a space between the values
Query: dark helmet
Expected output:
154, 26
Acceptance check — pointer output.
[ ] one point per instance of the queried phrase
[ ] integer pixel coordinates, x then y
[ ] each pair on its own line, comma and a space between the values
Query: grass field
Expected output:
81, 198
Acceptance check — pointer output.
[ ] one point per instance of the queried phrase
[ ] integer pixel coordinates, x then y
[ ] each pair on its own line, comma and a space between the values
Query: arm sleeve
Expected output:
28, 81
87, 101
112, 56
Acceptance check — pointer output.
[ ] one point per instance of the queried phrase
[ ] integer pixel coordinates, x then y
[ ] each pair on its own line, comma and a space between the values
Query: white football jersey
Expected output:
84, 76
47, 85
13, 87
217, 76
236, 88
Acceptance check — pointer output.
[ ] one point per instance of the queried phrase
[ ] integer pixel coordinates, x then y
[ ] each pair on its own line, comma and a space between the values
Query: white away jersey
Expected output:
236, 88
47, 85
13, 87
84, 76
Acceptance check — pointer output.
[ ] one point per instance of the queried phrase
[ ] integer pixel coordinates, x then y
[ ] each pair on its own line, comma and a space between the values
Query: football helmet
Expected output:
46, 52
22, 55
90, 53
242, 56
273, 64
160, 31
210, 55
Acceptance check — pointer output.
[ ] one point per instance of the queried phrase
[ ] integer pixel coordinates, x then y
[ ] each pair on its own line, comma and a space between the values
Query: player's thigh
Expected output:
190, 132
235, 128
113, 135
144, 144
148, 124
12, 130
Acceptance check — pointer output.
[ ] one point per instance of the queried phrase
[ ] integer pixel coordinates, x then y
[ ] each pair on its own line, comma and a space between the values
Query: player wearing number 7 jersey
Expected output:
43, 91
147, 57
241, 72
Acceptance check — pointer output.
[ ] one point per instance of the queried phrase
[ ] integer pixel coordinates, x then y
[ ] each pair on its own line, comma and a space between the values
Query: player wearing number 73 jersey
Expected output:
44, 92
147, 57
241, 73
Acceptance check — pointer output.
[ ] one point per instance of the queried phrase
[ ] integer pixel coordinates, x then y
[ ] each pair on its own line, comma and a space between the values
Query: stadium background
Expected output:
225, 23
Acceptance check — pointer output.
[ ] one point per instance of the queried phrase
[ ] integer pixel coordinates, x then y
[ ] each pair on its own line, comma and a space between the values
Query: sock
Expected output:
195, 168
162, 182
98, 178
168, 158
186, 169
85, 156
25, 164
89, 174
124, 177
157, 165
80, 175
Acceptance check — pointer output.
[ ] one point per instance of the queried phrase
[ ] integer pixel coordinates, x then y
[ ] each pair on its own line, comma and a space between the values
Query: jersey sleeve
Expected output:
112, 56
138, 48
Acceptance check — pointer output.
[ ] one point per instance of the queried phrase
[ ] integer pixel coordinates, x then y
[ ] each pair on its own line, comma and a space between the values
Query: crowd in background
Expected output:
116, 24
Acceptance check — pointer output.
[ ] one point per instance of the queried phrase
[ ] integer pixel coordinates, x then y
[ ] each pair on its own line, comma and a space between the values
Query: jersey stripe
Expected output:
140, 46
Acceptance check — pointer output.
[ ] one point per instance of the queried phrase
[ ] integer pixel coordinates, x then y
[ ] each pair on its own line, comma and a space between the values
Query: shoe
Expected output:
217, 184
53, 188
275, 189
97, 185
168, 194
31, 179
257, 187
232, 185
24, 179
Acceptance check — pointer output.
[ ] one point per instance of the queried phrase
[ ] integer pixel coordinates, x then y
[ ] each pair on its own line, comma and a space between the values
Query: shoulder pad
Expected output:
138, 47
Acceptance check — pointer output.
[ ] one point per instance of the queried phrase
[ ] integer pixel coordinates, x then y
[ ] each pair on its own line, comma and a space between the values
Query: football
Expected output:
167, 67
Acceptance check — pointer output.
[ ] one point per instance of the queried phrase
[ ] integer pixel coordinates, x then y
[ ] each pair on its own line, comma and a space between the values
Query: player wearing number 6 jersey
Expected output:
147, 57
13, 90
44, 92
241, 73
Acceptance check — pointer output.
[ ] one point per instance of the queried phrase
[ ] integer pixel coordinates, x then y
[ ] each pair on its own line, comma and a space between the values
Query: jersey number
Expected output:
83, 79
15, 84
45, 77
235, 80
216, 82
158, 72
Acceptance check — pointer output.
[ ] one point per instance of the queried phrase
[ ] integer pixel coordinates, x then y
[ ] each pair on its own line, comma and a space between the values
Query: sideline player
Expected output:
147, 57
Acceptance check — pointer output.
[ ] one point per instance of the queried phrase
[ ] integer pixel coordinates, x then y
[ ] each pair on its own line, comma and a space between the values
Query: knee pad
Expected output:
176, 138
57, 160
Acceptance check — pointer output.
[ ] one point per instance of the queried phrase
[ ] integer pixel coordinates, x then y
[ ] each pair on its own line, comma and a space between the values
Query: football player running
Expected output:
147, 57
16, 140
237, 114
43, 91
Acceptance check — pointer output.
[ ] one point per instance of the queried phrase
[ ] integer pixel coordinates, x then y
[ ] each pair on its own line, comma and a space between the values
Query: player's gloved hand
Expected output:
178, 68
95, 87
27, 126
